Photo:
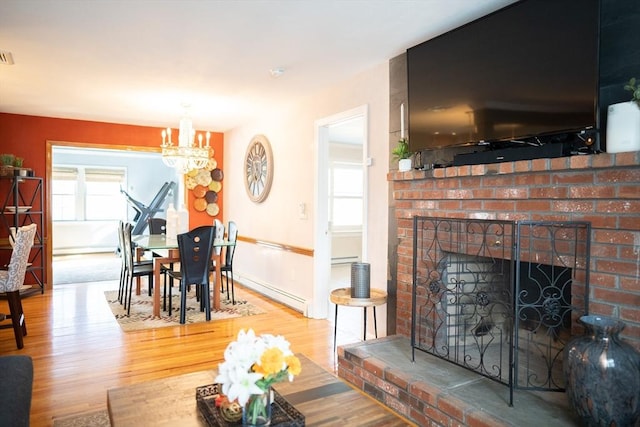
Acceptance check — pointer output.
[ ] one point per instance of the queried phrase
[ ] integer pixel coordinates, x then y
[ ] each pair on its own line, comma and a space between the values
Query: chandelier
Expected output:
186, 155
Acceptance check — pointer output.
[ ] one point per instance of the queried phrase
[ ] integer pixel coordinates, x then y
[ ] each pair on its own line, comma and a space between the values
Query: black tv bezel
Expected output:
584, 139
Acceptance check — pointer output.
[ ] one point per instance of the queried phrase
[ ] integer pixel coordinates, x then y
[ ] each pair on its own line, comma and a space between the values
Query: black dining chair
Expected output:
226, 269
132, 269
218, 249
137, 265
157, 225
195, 248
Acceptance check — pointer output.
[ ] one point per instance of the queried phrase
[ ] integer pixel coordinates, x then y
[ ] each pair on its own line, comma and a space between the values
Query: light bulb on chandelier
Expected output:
186, 155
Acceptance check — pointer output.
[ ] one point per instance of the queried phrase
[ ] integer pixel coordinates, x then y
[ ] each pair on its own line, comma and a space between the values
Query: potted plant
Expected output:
635, 90
402, 153
623, 121
6, 164
19, 170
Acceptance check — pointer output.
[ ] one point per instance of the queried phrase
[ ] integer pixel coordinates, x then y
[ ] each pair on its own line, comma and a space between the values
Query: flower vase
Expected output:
257, 410
602, 374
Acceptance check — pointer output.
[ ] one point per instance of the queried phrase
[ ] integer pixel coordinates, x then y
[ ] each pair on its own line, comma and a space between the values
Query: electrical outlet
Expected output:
302, 210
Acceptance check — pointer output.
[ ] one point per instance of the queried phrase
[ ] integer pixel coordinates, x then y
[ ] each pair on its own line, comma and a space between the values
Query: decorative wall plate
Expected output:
258, 168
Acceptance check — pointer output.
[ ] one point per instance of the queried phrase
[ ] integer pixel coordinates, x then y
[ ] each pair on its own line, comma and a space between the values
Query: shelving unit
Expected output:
23, 204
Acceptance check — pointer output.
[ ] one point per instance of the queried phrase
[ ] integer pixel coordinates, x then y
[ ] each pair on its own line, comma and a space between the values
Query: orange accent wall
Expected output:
27, 136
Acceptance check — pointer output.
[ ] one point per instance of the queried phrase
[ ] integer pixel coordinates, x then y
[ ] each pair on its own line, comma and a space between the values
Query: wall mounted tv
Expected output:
523, 76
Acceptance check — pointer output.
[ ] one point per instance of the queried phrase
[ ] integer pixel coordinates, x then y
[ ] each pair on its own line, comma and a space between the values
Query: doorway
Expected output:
341, 204
92, 177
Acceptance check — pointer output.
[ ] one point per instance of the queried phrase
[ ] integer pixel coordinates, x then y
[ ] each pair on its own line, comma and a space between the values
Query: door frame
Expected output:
322, 237
48, 199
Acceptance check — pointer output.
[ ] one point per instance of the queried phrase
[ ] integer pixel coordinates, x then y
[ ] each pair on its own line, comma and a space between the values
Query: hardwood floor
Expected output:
79, 350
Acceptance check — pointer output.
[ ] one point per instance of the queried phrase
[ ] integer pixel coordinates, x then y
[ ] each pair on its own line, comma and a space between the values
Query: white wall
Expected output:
291, 132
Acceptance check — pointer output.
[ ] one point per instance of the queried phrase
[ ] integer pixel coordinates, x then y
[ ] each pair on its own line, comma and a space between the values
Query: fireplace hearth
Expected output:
500, 298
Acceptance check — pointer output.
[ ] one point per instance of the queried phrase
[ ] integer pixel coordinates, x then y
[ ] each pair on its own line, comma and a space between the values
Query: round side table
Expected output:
342, 296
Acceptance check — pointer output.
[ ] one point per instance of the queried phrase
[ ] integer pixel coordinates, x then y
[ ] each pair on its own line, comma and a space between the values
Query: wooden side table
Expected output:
342, 296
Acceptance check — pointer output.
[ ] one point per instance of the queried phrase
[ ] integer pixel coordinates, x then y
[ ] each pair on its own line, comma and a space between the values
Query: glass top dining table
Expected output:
169, 253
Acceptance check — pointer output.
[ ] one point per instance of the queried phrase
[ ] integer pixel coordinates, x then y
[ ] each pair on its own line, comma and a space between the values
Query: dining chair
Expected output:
12, 239
157, 225
219, 236
195, 248
12, 279
226, 270
132, 269
123, 265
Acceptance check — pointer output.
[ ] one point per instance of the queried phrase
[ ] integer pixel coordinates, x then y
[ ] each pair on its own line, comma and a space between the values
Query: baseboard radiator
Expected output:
290, 300
345, 260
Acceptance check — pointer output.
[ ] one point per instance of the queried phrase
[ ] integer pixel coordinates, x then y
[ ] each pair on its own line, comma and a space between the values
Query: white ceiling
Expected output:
138, 61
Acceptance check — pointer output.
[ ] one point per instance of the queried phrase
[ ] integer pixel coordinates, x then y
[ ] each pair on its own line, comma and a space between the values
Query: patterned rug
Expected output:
88, 419
142, 308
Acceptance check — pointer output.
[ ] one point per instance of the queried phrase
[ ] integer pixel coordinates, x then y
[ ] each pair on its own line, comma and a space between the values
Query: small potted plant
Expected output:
402, 153
19, 170
6, 164
635, 91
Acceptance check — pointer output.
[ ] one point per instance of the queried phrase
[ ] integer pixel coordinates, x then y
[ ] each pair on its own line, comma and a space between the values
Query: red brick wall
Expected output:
603, 189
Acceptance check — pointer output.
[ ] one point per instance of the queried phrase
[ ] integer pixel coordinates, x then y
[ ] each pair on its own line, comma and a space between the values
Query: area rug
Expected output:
141, 316
89, 419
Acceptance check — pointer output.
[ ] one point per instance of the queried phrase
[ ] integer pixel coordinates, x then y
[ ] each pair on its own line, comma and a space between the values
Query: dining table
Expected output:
165, 250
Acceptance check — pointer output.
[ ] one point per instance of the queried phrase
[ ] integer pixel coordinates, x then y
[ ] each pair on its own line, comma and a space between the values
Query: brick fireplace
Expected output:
603, 189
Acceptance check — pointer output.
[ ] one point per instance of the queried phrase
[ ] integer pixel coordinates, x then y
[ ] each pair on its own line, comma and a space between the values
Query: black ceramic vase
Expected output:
603, 374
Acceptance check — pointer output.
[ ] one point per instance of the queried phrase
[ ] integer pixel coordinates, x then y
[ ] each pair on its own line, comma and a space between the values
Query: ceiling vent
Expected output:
6, 58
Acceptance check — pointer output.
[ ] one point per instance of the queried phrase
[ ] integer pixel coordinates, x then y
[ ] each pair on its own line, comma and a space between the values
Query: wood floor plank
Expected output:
80, 352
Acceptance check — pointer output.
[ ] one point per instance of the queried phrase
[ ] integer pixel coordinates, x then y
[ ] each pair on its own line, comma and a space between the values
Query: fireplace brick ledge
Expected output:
601, 160
433, 392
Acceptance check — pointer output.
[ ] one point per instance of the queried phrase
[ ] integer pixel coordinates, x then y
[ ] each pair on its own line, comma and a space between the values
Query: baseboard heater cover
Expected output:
344, 260
290, 300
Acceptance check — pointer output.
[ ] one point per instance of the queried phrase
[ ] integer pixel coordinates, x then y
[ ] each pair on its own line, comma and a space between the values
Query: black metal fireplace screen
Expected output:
500, 298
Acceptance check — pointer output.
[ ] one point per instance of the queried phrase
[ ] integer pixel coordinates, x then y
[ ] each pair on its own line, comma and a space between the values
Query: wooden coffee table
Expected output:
321, 397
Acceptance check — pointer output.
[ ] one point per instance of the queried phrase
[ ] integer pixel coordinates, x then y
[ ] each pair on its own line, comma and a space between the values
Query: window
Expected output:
346, 198
103, 199
87, 194
64, 187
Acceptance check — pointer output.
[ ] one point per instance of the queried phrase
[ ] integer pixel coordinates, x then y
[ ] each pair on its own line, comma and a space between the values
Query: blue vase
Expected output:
602, 374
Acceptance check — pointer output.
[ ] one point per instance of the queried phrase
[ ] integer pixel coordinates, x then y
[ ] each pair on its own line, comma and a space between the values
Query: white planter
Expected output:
404, 165
623, 127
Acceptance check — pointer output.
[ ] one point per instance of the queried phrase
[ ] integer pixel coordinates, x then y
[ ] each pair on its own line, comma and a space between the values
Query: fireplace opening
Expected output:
500, 298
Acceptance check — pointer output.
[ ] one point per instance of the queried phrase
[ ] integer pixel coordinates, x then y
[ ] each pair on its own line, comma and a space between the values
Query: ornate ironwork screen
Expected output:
500, 297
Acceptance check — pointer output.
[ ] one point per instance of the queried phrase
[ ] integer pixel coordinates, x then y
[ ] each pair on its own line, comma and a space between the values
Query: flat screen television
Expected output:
516, 77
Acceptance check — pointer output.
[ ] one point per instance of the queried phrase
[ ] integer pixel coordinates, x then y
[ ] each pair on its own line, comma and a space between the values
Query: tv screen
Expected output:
526, 71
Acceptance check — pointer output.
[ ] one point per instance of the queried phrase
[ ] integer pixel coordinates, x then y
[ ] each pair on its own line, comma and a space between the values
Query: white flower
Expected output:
243, 356
242, 386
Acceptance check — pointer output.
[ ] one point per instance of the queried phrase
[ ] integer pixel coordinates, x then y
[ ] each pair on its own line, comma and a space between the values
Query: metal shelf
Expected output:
21, 192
